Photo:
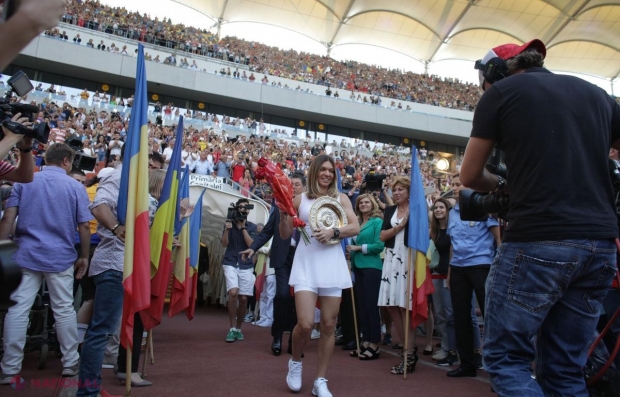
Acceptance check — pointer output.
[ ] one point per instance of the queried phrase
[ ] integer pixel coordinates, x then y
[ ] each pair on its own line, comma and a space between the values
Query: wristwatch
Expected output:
336, 233
115, 227
25, 150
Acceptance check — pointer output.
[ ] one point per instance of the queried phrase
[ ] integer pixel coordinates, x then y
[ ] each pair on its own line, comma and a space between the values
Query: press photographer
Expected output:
239, 271
557, 258
375, 184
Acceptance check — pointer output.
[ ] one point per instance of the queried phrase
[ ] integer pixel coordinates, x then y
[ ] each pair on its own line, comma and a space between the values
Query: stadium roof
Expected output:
582, 36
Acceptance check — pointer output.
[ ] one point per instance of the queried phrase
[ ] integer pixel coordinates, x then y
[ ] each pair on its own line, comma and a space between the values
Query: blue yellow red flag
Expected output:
179, 297
162, 235
133, 208
418, 241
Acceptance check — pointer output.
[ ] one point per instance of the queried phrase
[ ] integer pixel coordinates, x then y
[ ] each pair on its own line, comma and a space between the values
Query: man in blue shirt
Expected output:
238, 270
473, 250
51, 209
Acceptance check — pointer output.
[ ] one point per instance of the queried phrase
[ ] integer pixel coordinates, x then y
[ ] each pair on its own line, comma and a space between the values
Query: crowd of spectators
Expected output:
215, 151
371, 83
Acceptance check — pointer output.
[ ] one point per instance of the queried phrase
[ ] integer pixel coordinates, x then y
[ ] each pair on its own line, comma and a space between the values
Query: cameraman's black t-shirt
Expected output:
555, 131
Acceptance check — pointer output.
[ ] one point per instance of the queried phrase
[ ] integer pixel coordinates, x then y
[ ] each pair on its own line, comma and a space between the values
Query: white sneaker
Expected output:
316, 334
320, 388
440, 355
293, 379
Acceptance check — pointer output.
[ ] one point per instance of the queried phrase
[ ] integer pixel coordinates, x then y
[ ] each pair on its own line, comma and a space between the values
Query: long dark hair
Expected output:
435, 221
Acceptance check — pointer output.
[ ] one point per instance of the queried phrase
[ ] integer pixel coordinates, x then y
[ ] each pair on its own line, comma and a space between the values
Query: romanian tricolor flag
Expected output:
418, 242
133, 209
179, 298
195, 228
162, 235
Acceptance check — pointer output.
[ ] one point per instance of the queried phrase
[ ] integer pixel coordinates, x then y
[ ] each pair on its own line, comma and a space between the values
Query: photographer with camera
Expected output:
238, 269
557, 258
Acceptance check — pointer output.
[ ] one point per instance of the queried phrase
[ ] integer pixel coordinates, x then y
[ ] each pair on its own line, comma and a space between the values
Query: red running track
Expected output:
192, 359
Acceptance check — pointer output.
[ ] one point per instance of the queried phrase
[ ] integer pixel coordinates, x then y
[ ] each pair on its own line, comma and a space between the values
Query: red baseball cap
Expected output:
507, 51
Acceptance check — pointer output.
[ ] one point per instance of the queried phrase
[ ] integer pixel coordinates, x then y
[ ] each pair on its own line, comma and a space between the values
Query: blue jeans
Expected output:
106, 315
550, 291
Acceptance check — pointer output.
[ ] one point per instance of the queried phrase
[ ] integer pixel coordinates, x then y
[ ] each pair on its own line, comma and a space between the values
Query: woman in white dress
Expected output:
319, 271
393, 290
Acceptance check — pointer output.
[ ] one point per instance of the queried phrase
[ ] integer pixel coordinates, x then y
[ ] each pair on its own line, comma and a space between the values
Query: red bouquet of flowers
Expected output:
282, 189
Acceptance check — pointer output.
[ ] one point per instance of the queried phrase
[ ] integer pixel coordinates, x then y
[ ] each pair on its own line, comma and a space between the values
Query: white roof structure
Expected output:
582, 36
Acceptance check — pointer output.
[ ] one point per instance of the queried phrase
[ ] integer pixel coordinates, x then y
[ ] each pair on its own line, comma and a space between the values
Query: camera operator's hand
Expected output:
241, 224
13, 138
81, 265
228, 225
31, 18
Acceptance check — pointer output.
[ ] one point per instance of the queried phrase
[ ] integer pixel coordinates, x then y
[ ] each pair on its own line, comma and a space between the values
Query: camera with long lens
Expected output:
81, 161
372, 182
21, 85
476, 206
234, 213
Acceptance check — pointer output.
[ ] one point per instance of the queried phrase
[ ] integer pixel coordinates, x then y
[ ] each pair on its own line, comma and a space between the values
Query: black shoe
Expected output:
478, 360
450, 359
276, 346
340, 341
462, 373
349, 346
387, 340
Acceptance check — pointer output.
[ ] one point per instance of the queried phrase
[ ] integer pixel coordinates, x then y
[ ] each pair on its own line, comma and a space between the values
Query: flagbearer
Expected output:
238, 270
393, 290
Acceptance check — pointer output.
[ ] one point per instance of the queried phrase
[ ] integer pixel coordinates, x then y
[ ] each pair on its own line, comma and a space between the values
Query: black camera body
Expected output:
373, 182
81, 161
20, 83
476, 206
234, 215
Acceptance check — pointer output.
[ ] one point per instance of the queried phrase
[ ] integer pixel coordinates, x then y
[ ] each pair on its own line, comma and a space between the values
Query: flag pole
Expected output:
128, 372
357, 334
406, 325
146, 352
149, 341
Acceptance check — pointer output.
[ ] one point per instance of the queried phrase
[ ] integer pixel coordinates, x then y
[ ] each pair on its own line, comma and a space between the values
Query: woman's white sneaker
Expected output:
293, 379
320, 388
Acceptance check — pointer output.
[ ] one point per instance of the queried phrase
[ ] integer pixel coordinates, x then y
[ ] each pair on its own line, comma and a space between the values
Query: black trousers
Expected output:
138, 329
284, 317
366, 288
463, 282
347, 321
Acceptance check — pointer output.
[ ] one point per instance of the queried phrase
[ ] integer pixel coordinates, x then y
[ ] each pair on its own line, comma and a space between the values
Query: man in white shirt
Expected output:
168, 153
202, 166
116, 144
188, 156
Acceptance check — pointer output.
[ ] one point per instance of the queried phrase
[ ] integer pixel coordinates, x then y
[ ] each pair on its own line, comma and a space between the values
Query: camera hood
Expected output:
470, 206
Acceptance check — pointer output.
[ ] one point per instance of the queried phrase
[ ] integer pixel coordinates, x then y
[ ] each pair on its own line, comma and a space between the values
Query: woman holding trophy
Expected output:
320, 269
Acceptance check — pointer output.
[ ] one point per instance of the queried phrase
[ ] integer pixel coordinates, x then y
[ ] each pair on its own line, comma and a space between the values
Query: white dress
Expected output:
318, 265
393, 289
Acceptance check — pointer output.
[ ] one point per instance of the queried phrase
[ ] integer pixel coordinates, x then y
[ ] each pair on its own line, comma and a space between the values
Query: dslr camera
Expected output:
373, 182
21, 85
476, 206
235, 215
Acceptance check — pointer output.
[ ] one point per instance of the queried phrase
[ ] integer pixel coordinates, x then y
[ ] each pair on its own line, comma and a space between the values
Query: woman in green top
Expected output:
367, 265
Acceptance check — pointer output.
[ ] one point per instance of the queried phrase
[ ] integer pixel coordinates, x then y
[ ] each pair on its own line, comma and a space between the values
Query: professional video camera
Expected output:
81, 161
21, 85
476, 206
234, 215
372, 182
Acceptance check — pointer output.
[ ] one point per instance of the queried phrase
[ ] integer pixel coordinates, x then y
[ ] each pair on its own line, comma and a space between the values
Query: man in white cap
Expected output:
557, 257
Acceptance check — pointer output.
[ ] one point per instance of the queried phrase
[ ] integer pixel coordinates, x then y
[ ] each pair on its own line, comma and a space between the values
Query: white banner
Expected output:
211, 182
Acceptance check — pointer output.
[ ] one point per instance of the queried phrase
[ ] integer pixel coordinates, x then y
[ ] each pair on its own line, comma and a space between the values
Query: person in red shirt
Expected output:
238, 168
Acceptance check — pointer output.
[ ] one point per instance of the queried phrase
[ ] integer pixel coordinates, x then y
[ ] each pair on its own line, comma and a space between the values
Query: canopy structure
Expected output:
582, 36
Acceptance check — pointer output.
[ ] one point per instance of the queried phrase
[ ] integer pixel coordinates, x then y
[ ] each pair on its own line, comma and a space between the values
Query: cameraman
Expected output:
24, 172
239, 271
31, 18
557, 258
